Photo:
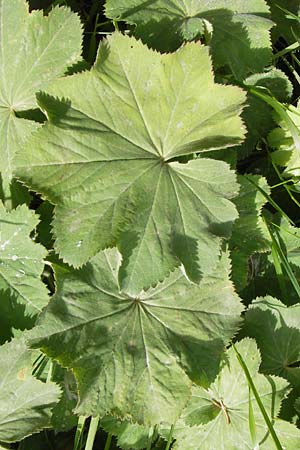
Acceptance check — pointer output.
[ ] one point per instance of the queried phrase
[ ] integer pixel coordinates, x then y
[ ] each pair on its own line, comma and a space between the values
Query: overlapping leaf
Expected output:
258, 116
286, 141
249, 235
109, 160
267, 280
134, 356
25, 403
275, 328
218, 417
241, 29
34, 51
21, 260
285, 26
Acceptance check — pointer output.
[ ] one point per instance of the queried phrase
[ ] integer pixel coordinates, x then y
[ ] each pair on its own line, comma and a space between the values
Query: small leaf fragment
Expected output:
25, 403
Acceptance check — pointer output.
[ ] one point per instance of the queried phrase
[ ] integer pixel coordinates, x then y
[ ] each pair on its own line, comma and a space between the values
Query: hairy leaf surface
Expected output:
21, 260
218, 417
241, 29
135, 356
25, 403
109, 160
34, 50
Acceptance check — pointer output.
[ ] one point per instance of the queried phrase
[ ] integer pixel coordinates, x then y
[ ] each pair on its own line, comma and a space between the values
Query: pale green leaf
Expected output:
275, 328
286, 142
111, 170
34, 51
249, 233
25, 403
134, 356
241, 29
218, 417
21, 259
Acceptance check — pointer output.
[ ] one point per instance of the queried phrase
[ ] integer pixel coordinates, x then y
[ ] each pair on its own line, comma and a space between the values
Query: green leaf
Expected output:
129, 435
63, 418
116, 182
218, 417
26, 403
285, 27
258, 115
12, 317
134, 356
275, 328
241, 29
22, 260
34, 51
286, 144
249, 234
267, 280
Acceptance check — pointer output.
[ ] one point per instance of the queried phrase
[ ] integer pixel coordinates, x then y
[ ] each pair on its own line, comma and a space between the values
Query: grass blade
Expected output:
258, 400
79, 433
170, 438
92, 433
108, 442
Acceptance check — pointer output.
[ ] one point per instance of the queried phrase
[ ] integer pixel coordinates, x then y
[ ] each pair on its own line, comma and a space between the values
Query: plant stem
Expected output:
258, 400
79, 432
108, 442
92, 433
170, 438
152, 434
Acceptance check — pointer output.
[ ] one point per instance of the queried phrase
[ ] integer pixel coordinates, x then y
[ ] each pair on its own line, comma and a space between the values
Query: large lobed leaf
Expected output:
135, 356
220, 418
109, 160
22, 260
241, 29
25, 403
34, 51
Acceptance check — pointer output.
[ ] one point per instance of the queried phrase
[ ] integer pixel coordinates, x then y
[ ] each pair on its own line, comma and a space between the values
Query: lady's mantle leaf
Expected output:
286, 141
275, 328
241, 29
34, 51
21, 260
135, 356
249, 234
218, 417
130, 436
109, 160
25, 403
